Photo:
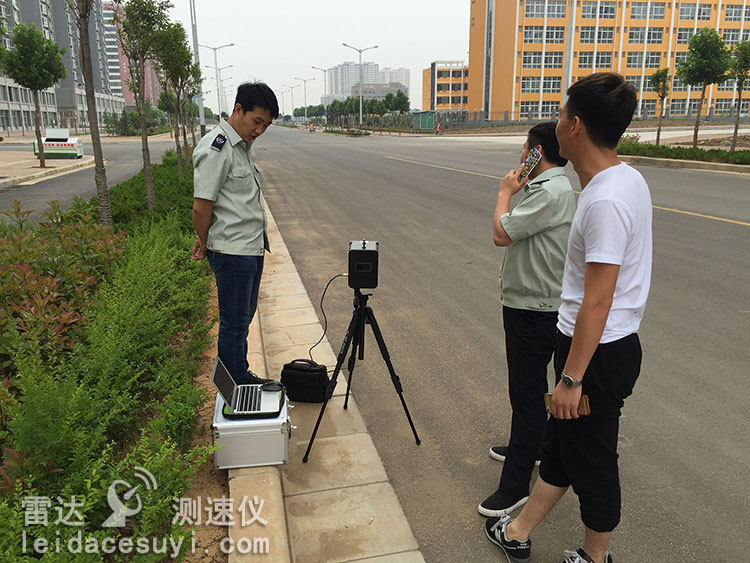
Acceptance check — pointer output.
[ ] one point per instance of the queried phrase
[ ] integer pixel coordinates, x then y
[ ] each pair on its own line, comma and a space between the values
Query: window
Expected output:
724, 107
552, 84
556, 9
555, 34
694, 106
588, 34
533, 34
550, 109
606, 10
704, 11
657, 11
683, 35
534, 9
553, 60
677, 106
727, 86
678, 85
529, 109
731, 36
635, 81
532, 60
648, 107
603, 60
639, 10
653, 60
635, 60
687, 11
746, 33
636, 35
530, 84
747, 13
733, 13
606, 34
655, 35
586, 59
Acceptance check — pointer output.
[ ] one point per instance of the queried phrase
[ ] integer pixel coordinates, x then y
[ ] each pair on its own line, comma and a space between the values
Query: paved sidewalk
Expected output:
20, 167
340, 506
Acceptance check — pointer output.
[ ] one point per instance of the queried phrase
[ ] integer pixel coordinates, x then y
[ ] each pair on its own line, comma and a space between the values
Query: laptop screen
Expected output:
223, 381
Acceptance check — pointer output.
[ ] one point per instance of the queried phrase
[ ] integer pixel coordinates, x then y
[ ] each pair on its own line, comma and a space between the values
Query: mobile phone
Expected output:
531, 160
583, 407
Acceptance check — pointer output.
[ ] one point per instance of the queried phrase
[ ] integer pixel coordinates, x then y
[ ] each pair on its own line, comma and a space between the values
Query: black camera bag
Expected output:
305, 381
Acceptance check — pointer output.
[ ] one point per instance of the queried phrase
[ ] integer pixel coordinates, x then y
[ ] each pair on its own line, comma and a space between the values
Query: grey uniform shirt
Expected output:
539, 226
226, 173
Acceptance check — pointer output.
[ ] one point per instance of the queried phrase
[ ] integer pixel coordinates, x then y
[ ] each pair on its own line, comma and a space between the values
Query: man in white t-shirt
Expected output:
605, 285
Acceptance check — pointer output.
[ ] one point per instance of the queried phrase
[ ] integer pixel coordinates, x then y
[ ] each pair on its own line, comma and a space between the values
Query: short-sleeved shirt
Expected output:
531, 274
227, 174
612, 225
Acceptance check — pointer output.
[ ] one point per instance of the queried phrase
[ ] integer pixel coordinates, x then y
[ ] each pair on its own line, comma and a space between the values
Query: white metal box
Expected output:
250, 442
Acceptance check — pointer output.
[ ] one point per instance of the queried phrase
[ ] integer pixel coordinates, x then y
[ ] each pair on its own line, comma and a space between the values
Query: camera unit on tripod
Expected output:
363, 264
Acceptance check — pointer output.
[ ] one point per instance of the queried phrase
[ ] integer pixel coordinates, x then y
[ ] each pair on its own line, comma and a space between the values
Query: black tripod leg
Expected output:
394, 378
332, 384
357, 342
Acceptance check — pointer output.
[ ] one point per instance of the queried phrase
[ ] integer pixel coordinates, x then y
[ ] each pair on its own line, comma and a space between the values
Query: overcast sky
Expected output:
276, 41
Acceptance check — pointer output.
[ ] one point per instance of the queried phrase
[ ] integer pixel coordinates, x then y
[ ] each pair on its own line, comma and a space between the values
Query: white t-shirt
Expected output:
612, 225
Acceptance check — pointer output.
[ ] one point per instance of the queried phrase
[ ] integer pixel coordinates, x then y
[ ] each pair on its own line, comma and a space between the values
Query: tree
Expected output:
739, 69
390, 102
660, 84
81, 11
138, 23
707, 63
401, 102
36, 64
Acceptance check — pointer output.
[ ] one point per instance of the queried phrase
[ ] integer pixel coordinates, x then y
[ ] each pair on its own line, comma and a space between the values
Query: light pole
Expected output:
305, 81
216, 66
224, 92
325, 80
291, 90
201, 112
283, 111
360, 51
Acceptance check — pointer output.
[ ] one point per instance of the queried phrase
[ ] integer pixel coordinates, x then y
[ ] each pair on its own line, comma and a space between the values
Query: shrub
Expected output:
684, 153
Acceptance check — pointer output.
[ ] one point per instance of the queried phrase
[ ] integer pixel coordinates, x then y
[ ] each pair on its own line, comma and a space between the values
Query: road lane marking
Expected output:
660, 208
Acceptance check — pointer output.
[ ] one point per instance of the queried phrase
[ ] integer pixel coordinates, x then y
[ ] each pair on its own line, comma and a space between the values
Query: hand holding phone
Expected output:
530, 162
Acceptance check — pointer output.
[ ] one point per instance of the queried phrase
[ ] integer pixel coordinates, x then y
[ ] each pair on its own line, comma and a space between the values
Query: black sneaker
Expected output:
255, 380
501, 452
516, 551
580, 556
500, 504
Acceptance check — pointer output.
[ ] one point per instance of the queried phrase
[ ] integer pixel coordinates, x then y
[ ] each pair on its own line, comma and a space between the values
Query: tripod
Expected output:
355, 336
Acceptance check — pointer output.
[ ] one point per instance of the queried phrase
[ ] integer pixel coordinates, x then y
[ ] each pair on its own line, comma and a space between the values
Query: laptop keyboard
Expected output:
248, 398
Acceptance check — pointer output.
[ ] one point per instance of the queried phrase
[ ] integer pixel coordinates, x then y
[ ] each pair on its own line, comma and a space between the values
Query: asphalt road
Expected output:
684, 435
123, 161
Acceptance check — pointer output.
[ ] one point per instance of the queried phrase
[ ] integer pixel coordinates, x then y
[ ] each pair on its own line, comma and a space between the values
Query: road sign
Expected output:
325, 112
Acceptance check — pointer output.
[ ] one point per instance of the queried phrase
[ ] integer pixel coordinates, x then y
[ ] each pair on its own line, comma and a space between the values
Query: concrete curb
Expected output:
693, 164
341, 505
14, 181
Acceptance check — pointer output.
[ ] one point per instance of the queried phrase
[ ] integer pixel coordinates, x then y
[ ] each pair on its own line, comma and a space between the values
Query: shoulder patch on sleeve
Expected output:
219, 142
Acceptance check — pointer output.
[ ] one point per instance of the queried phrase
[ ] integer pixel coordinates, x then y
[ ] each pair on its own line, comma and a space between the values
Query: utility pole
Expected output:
360, 51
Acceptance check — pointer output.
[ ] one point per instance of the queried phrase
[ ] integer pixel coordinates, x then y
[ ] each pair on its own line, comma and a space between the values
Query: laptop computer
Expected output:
246, 401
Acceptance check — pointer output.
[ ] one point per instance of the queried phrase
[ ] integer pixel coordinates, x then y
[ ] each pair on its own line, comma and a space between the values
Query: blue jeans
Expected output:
237, 283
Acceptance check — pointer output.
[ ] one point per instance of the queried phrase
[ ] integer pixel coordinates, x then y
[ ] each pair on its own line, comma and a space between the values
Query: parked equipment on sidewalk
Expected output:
355, 336
59, 144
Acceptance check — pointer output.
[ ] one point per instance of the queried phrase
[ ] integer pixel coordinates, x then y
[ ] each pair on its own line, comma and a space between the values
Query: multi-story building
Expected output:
524, 55
387, 75
378, 91
445, 86
342, 77
117, 63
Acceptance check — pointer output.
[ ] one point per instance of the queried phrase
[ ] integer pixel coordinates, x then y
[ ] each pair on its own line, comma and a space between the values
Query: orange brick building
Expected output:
445, 86
523, 55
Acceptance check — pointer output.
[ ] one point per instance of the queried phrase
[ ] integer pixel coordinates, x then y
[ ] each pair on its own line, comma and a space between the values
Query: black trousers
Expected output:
529, 344
583, 452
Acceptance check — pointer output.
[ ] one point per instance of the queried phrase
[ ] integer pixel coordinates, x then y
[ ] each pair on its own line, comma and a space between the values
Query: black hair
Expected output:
605, 103
257, 94
544, 134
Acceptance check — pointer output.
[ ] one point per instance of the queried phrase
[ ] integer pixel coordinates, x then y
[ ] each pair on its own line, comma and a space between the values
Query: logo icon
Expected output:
120, 510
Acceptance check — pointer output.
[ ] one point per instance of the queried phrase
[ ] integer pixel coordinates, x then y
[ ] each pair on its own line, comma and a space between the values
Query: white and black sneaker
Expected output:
500, 503
516, 551
501, 452
580, 556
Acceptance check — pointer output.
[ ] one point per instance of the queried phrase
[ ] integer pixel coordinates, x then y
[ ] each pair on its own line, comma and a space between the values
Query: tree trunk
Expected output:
658, 128
178, 149
737, 117
38, 128
100, 173
183, 117
192, 125
140, 103
698, 117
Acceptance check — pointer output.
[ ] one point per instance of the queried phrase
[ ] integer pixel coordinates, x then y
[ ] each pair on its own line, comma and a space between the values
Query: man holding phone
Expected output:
535, 234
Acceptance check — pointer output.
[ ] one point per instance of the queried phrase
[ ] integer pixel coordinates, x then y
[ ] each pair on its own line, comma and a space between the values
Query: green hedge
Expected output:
101, 333
684, 153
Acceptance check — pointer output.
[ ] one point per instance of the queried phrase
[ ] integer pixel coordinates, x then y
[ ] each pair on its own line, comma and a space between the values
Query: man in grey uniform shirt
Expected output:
230, 220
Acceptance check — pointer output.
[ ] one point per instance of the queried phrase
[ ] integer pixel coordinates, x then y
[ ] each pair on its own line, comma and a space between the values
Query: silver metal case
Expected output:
250, 442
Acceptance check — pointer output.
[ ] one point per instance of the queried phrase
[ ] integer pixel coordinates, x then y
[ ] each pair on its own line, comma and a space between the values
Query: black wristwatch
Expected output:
570, 382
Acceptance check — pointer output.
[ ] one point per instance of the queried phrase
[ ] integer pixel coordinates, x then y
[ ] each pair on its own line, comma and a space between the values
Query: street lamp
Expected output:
305, 81
201, 112
216, 66
218, 82
360, 51
325, 94
224, 92
283, 111
291, 90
